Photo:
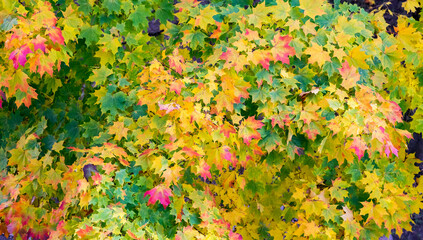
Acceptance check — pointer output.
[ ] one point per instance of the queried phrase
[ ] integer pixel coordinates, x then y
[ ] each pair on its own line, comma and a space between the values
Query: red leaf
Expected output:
56, 36
19, 56
190, 152
108, 168
281, 49
160, 193
96, 178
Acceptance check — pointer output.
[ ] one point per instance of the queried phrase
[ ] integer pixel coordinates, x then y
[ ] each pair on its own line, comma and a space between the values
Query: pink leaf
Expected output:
169, 107
389, 147
19, 56
204, 170
160, 193
39, 43
229, 156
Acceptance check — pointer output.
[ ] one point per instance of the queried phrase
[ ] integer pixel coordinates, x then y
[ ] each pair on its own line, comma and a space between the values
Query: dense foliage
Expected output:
132, 119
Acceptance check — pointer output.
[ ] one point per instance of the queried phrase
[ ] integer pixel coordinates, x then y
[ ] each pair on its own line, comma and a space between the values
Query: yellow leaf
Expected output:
311, 229
259, 15
376, 212
58, 146
358, 58
407, 35
317, 54
312, 8
119, 130
379, 79
410, 5
312, 207
205, 18
309, 28
299, 194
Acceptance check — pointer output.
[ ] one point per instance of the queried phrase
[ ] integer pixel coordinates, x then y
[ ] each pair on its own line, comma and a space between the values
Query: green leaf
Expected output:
354, 171
103, 214
112, 6
92, 129
113, 103
91, 34
122, 176
270, 140
8, 23
139, 17
195, 39
100, 75
260, 94
279, 94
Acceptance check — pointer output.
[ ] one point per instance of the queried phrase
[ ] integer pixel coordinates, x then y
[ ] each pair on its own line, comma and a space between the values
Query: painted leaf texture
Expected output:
207, 120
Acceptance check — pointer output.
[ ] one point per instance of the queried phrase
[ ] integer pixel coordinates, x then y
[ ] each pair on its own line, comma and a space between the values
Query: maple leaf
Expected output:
251, 35
55, 35
389, 147
160, 193
359, 147
177, 61
348, 216
204, 170
191, 152
225, 100
118, 128
83, 232
43, 63
227, 129
177, 86
281, 49
83, 185
234, 59
205, 18
228, 155
317, 54
96, 178
261, 56
18, 56
171, 175
350, 75
311, 229
375, 212
358, 58
248, 130
108, 168
312, 8
392, 111
53, 178
38, 43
